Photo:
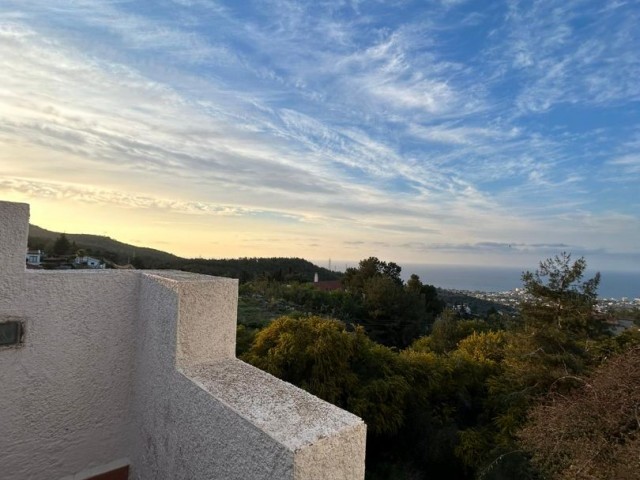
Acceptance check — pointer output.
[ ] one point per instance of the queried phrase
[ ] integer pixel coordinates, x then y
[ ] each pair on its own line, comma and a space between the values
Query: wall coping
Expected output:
288, 414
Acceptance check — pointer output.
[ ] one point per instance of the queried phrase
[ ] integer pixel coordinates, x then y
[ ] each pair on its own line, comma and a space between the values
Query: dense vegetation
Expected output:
593, 431
246, 269
445, 396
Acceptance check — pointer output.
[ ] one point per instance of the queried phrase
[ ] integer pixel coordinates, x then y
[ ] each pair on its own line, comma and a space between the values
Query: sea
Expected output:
613, 284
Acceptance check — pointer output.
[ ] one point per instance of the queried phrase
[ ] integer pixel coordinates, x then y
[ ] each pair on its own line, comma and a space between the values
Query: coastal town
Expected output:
514, 297
620, 313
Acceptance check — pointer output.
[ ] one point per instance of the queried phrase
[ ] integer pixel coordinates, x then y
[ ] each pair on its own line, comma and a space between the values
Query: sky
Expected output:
431, 131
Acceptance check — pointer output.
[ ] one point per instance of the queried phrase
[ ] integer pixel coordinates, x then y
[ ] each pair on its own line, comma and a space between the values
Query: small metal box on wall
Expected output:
12, 332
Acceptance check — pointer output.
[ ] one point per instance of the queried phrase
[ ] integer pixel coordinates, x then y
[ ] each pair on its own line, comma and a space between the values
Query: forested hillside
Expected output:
102, 247
118, 253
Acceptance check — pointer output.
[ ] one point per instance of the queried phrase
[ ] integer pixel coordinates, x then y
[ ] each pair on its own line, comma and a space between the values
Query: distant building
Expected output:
34, 257
89, 262
463, 310
326, 285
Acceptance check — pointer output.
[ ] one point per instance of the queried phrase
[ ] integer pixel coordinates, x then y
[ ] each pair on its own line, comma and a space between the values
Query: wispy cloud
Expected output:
628, 164
465, 135
414, 122
570, 55
85, 195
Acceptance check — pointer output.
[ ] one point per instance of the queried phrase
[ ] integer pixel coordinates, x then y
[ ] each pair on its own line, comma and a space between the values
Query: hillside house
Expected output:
132, 374
34, 257
89, 262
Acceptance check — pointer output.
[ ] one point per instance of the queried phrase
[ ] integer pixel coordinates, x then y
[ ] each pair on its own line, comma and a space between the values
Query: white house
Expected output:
132, 373
34, 257
90, 262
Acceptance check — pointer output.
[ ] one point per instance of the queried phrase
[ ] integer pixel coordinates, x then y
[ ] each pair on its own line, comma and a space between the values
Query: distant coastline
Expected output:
499, 279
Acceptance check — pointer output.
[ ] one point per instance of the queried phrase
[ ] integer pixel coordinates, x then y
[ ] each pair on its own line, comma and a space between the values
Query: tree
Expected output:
394, 314
414, 285
548, 349
429, 295
553, 344
560, 299
137, 262
594, 431
62, 245
447, 331
393, 317
355, 278
409, 400
345, 368
560, 324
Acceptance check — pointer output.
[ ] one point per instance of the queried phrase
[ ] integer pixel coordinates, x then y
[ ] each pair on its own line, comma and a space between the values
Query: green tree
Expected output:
559, 326
560, 299
137, 262
414, 285
62, 245
410, 400
433, 306
547, 350
345, 368
354, 279
393, 316
447, 331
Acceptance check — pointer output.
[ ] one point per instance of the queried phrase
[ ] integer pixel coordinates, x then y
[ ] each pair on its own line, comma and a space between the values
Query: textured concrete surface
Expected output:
327, 443
286, 413
205, 314
181, 430
65, 395
138, 367
269, 429
339, 456
13, 232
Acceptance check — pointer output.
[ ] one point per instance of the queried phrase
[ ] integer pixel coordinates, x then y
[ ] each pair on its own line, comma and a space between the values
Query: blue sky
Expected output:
443, 131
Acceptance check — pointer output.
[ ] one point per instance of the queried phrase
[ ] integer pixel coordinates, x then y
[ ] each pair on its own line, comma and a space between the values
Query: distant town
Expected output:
620, 313
514, 297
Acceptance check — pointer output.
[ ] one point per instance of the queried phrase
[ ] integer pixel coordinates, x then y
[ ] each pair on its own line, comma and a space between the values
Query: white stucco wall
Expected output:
13, 232
65, 395
267, 429
138, 367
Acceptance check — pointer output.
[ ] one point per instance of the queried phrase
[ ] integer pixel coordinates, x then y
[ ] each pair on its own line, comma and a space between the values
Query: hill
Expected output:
104, 247
245, 269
